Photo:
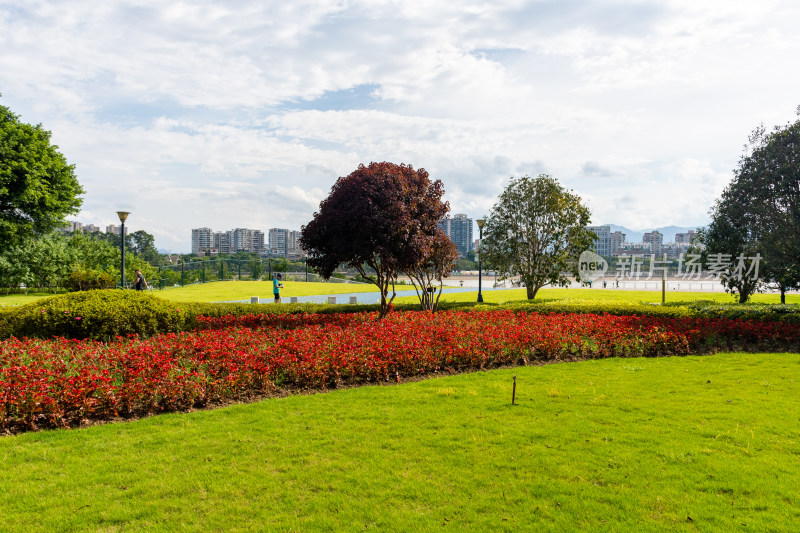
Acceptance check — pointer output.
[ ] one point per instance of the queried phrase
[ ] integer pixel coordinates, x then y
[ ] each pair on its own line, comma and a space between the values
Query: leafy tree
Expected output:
95, 263
279, 264
430, 271
89, 253
256, 269
14, 270
723, 240
49, 260
380, 217
537, 229
37, 186
759, 212
139, 243
143, 244
466, 264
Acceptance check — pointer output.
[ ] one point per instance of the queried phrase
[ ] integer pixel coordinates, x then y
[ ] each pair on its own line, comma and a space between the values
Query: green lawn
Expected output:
244, 290
510, 295
22, 299
227, 290
694, 443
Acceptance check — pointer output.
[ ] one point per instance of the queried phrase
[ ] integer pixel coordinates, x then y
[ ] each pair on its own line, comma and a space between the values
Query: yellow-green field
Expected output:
243, 290
225, 291
22, 299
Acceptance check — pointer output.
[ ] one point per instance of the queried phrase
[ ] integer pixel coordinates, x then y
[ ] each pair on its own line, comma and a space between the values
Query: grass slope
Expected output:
511, 295
22, 299
708, 443
244, 290
225, 291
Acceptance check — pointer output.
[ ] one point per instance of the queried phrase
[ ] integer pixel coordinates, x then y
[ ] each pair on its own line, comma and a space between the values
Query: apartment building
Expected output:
656, 240
459, 230
602, 245
202, 241
282, 242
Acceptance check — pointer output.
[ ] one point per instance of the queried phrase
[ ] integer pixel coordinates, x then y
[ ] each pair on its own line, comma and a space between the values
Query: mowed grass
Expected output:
694, 443
511, 295
226, 291
22, 299
219, 291
243, 290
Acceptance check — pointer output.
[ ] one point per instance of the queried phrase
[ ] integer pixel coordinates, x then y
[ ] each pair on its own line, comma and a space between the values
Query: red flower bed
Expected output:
61, 383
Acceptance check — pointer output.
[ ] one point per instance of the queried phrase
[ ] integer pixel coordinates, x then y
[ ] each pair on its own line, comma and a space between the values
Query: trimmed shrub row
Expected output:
788, 313
97, 314
106, 314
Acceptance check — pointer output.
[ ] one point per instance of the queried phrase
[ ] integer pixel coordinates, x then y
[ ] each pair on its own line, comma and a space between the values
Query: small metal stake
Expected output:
514, 391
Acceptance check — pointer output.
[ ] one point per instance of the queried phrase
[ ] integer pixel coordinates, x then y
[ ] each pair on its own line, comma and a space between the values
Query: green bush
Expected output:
106, 314
98, 315
88, 280
789, 313
619, 308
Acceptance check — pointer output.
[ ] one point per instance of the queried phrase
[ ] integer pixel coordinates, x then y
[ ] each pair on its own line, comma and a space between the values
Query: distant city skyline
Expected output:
462, 237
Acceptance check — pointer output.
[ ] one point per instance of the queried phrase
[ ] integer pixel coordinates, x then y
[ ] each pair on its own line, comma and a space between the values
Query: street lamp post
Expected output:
481, 222
123, 216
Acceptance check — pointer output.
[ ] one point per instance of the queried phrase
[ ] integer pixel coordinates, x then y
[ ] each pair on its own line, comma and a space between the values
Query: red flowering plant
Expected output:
61, 383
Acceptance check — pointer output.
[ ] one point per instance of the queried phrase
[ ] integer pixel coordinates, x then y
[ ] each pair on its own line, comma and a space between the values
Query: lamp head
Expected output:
123, 215
481, 222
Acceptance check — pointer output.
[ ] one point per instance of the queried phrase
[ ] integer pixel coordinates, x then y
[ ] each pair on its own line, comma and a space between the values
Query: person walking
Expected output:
140, 283
276, 287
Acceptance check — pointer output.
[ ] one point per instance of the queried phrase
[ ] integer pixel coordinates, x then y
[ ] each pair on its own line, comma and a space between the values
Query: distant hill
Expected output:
636, 235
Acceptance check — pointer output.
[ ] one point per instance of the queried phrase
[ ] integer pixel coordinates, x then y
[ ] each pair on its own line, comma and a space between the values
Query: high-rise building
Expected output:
459, 230
284, 243
246, 240
277, 241
655, 239
202, 240
616, 240
222, 242
602, 245
685, 238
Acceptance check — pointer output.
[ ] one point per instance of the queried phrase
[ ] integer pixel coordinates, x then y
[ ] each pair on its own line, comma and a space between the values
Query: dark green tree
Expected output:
38, 188
538, 230
759, 212
143, 244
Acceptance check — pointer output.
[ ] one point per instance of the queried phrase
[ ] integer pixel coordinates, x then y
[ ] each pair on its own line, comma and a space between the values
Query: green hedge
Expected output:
106, 314
620, 308
789, 313
98, 314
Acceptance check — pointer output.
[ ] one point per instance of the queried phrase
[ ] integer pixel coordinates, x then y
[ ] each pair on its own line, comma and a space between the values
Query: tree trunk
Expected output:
742, 297
531, 290
783, 295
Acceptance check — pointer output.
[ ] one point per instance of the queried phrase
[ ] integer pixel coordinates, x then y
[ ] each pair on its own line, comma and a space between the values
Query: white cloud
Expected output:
232, 114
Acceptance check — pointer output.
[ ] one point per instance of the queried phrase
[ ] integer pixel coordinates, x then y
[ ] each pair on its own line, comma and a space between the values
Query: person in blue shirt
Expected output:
276, 287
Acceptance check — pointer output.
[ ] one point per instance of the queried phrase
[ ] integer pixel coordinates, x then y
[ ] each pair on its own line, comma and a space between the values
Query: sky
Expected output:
234, 113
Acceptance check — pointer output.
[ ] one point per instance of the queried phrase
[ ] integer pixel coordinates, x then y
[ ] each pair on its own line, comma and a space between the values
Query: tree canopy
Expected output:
38, 188
759, 213
382, 216
537, 229
428, 274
